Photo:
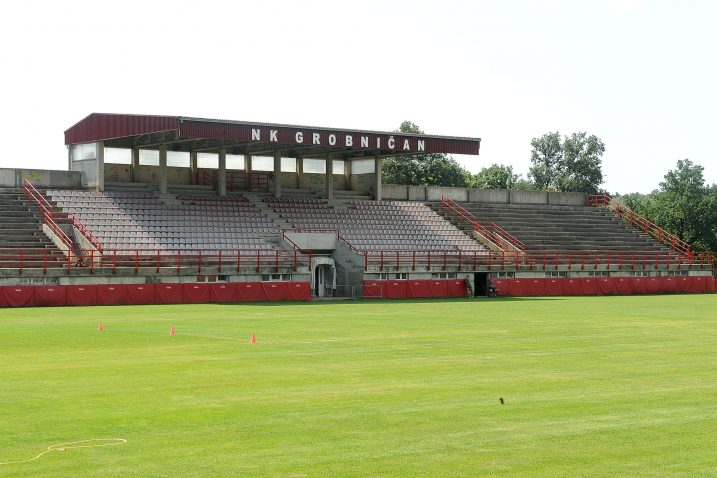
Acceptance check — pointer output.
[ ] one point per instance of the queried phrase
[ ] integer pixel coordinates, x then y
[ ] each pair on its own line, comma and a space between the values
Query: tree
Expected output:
546, 156
683, 205
425, 169
496, 176
573, 164
686, 207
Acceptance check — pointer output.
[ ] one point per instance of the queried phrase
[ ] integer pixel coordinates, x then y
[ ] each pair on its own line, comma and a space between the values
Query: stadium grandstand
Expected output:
167, 209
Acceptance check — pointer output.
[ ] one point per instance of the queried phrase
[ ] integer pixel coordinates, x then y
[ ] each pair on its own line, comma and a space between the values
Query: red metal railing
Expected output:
531, 260
309, 230
178, 260
48, 213
640, 222
491, 231
52, 217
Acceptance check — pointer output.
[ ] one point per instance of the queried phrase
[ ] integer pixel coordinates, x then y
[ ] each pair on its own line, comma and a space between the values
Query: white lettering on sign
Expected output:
332, 139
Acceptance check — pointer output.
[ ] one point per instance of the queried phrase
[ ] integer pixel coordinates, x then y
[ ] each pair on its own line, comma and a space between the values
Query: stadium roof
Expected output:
181, 133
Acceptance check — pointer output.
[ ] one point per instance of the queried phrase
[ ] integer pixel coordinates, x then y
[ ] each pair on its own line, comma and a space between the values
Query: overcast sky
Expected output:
641, 75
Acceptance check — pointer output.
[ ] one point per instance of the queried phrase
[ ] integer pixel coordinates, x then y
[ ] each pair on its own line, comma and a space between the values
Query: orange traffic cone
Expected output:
100, 327
172, 331
253, 339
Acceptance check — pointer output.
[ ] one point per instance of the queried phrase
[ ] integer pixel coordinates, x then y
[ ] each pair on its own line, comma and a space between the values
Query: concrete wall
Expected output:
41, 178
362, 182
567, 199
417, 193
117, 173
395, 191
313, 240
150, 174
457, 194
528, 197
501, 196
313, 182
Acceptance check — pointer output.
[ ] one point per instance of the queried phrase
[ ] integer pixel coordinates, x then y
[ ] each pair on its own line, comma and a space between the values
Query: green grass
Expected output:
603, 386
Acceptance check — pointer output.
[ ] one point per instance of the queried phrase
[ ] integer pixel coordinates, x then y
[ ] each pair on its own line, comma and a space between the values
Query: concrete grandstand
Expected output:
157, 209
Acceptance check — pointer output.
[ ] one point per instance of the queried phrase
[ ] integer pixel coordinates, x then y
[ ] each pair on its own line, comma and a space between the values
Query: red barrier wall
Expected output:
653, 285
274, 291
251, 292
140, 294
503, 286
457, 288
223, 292
50, 295
298, 291
396, 289
20, 295
373, 288
554, 286
168, 293
3, 302
439, 288
419, 289
111, 294
198, 293
81, 294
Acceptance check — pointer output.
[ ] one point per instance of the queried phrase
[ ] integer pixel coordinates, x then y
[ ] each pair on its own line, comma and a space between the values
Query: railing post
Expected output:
44, 261
20, 257
460, 260
136, 261
413, 267
502, 260
220, 261
445, 260
545, 259
199, 262
381, 260
92, 261
179, 260
114, 262
158, 264
276, 254
258, 261
238, 260
365, 261
296, 264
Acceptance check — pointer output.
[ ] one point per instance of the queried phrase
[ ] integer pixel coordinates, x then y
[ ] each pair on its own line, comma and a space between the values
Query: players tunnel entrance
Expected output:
480, 289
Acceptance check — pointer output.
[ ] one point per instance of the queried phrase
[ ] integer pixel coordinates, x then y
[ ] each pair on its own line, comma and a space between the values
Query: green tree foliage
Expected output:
423, 169
683, 205
573, 163
496, 176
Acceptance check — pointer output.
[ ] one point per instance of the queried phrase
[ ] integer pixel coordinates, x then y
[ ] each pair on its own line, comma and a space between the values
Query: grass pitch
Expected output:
602, 386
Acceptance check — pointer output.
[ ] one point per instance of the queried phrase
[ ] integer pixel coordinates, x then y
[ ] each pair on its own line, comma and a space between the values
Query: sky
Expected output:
641, 75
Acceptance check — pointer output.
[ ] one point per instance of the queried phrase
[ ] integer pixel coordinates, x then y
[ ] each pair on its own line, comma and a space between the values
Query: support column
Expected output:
329, 178
100, 166
193, 167
134, 165
377, 185
299, 171
247, 170
347, 173
222, 176
277, 175
163, 169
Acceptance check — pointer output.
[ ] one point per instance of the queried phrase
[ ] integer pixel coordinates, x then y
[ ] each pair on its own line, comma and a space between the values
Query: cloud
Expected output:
622, 7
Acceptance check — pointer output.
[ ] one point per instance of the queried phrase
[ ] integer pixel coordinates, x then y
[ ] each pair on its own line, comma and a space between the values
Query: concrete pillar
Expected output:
69, 157
329, 178
222, 176
277, 175
247, 170
377, 185
100, 166
193, 167
299, 171
347, 173
163, 169
134, 165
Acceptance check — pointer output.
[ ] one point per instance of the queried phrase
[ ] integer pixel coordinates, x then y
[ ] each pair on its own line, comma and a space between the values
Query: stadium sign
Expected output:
345, 139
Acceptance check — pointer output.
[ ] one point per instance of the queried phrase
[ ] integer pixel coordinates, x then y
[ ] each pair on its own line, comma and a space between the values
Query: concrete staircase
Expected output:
21, 228
561, 228
258, 200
